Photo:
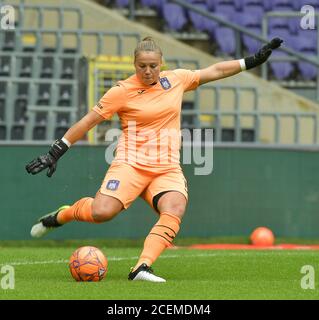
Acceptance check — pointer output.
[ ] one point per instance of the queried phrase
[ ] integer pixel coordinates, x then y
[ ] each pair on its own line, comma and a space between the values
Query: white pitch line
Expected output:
22, 263
201, 255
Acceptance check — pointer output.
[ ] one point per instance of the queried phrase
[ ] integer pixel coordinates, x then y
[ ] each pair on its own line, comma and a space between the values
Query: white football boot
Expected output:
46, 224
144, 273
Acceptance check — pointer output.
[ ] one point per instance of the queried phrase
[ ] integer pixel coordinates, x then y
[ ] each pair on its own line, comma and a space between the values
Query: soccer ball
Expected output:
262, 236
88, 264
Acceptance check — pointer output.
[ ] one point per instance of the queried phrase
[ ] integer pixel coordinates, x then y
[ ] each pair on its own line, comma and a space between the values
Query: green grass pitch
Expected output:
42, 273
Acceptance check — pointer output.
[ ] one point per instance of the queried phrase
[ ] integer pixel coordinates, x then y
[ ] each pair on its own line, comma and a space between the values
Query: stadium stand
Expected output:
31, 77
39, 73
38, 84
46, 84
263, 17
287, 69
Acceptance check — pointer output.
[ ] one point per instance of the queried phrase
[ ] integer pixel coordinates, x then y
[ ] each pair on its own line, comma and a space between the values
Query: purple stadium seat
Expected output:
248, 20
210, 26
237, 4
157, 4
280, 22
276, 4
294, 24
254, 10
197, 20
298, 4
174, 16
253, 2
149, 3
256, 3
211, 5
122, 3
308, 70
307, 44
227, 10
281, 69
306, 40
251, 44
277, 23
226, 40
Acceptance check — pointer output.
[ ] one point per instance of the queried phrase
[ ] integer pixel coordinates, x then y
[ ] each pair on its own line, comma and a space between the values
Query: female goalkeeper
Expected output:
149, 107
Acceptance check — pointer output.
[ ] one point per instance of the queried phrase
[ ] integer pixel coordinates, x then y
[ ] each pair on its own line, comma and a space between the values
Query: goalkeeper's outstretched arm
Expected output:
60, 146
226, 69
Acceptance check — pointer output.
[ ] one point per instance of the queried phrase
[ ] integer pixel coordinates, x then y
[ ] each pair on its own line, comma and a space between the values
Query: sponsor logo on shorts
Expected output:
165, 83
112, 185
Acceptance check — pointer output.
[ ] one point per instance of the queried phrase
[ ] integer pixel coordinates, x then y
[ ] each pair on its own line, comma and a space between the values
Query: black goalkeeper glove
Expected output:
49, 160
263, 54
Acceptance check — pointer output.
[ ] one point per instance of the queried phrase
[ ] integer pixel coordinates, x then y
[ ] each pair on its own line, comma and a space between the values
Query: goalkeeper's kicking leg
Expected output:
102, 208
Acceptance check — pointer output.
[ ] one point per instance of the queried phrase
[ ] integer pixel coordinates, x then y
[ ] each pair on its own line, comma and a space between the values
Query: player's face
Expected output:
148, 66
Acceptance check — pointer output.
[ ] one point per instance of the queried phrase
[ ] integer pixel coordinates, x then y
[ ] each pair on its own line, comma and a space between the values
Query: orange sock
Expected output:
160, 237
80, 211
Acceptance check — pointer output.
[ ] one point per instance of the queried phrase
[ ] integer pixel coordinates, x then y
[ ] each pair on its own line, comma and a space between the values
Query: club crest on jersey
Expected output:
165, 83
112, 185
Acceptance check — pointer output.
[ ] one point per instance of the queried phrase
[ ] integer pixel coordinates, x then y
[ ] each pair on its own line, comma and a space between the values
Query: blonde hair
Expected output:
147, 44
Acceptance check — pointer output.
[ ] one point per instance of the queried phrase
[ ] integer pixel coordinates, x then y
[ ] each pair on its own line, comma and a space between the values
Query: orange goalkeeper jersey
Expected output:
150, 118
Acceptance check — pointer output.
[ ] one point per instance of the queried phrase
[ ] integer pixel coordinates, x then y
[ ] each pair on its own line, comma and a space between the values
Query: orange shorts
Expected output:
125, 183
